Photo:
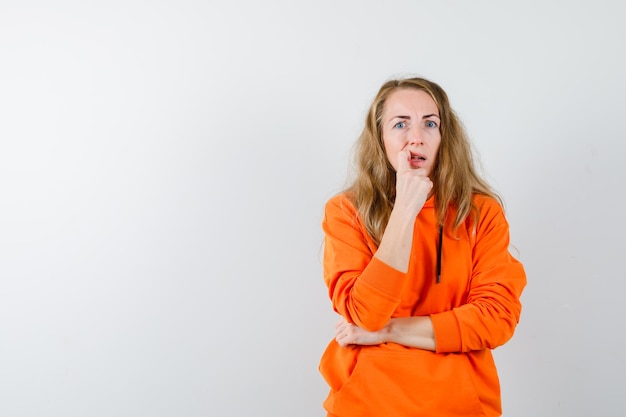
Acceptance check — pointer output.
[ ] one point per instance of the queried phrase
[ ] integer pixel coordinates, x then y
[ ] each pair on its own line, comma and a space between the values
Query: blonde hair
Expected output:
455, 179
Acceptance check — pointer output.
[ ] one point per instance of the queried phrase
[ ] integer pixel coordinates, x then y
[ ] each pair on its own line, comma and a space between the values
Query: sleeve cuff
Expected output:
384, 278
447, 332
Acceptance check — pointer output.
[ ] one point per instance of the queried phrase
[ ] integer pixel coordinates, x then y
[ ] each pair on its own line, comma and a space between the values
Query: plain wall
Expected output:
164, 167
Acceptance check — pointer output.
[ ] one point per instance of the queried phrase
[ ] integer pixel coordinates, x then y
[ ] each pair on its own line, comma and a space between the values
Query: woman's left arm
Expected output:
490, 315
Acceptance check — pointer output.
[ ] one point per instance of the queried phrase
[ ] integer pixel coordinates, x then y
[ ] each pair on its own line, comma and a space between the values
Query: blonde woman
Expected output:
417, 263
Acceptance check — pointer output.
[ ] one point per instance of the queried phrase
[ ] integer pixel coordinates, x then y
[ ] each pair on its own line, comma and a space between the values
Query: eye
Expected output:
399, 125
431, 123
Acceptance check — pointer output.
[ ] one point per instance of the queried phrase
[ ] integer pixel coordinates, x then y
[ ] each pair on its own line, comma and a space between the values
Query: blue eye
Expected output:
400, 125
430, 123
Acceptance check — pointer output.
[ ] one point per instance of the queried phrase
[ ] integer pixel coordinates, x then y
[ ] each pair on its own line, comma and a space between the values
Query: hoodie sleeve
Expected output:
493, 307
362, 288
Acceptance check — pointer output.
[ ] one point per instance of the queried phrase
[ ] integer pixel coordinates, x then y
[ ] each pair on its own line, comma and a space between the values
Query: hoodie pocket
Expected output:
394, 380
337, 364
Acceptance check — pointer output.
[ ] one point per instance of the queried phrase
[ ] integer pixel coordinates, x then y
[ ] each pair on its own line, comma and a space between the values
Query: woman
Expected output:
416, 262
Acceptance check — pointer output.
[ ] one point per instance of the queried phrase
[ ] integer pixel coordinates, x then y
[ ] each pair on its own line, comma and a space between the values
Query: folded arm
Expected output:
487, 319
416, 332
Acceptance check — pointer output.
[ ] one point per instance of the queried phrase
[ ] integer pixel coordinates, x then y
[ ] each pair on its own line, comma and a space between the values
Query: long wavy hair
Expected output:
455, 179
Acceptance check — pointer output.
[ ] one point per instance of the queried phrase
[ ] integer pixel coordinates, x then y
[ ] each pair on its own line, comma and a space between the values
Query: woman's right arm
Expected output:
412, 189
365, 283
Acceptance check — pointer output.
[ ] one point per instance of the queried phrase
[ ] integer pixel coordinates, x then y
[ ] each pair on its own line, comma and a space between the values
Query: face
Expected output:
410, 122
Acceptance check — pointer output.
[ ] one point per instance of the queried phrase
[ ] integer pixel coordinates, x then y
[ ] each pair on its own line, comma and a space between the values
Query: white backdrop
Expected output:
164, 166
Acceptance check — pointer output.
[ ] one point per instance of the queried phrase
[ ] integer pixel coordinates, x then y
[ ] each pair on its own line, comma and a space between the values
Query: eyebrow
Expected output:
426, 116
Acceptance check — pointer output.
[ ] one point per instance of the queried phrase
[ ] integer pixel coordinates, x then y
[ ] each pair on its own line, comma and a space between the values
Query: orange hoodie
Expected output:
474, 308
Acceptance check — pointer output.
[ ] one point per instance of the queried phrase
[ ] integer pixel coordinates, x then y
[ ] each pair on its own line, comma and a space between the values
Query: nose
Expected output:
415, 136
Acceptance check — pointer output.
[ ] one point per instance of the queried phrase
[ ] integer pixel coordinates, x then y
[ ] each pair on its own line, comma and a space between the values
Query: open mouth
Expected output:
417, 158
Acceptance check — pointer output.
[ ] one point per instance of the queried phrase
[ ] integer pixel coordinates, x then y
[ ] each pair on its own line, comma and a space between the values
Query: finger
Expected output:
404, 157
341, 339
341, 323
345, 339
404, 164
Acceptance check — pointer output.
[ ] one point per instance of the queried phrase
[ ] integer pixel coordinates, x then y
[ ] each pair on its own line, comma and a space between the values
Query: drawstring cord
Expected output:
439, 245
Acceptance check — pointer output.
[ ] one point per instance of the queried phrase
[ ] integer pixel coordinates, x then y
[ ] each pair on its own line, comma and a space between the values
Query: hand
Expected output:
412, 185
349, 334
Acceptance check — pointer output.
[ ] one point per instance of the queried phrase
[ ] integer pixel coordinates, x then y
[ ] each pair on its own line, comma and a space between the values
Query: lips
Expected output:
417, 160
417, 157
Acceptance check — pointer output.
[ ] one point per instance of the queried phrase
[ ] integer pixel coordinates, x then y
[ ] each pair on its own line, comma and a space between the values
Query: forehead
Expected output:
409, 100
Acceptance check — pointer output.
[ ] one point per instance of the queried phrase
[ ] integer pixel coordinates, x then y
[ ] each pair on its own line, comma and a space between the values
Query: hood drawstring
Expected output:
439, 245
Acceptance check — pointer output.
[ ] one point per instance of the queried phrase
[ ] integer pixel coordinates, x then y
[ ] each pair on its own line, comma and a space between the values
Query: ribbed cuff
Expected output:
384, 278
447, 332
